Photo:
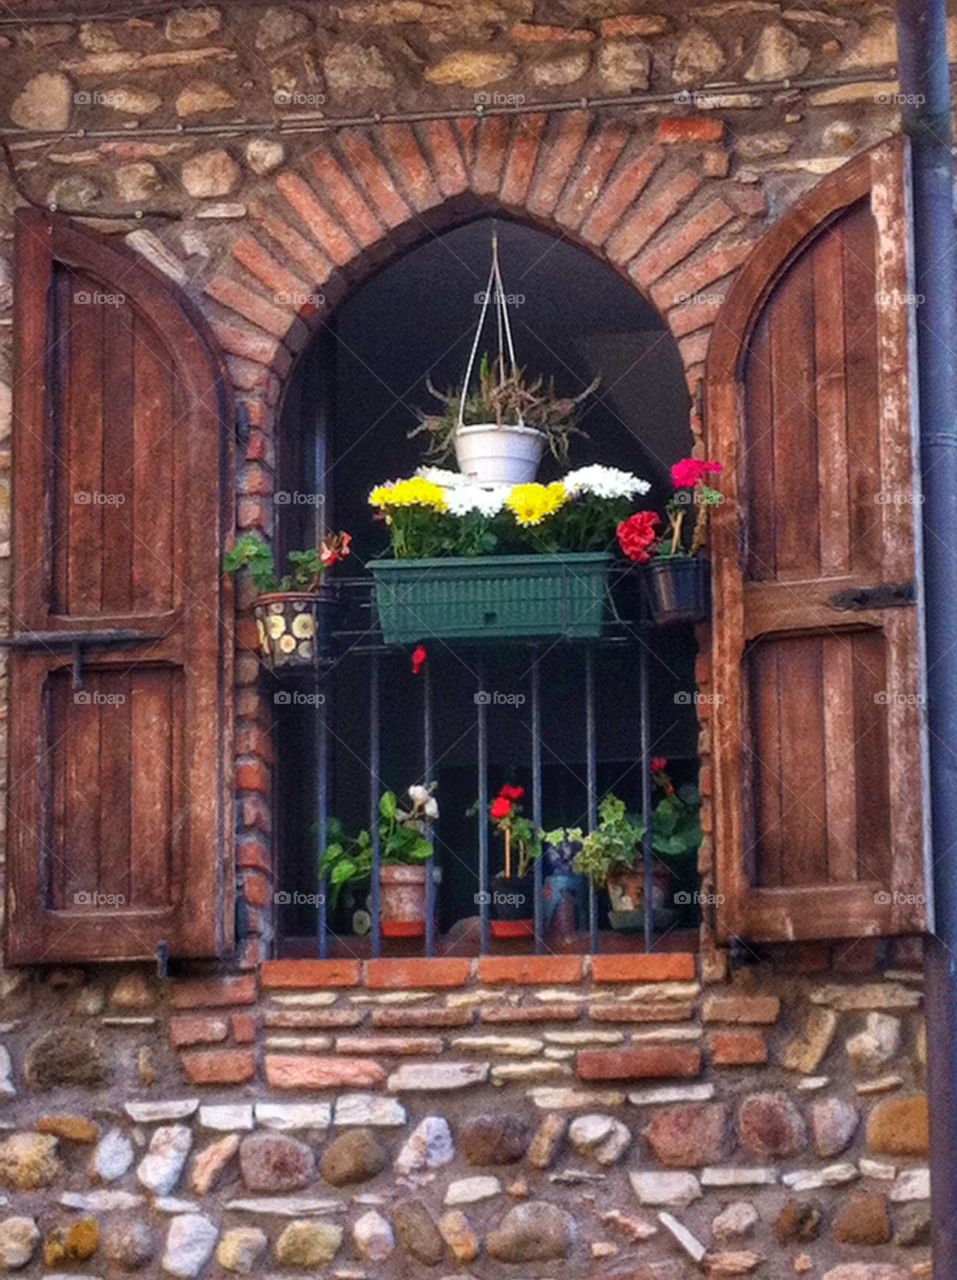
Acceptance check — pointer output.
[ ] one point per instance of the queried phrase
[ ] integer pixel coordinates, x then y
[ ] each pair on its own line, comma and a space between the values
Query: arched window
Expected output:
560, 719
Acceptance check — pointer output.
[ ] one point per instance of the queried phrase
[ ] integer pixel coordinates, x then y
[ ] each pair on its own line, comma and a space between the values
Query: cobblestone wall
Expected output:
492, 1118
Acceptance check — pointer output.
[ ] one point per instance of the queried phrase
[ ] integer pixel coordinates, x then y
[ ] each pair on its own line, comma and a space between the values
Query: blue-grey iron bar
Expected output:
647, 855
482, 752
537, 903
322, 808
375, 768
591, 784
428, 757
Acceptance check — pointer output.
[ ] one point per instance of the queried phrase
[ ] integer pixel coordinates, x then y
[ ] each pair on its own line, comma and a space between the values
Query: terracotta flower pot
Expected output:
511, 908
402, 900
296, 628
626, 897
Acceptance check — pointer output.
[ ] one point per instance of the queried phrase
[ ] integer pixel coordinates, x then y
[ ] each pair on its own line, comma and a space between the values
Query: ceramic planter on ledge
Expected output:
680, 589
296, 628
493, 597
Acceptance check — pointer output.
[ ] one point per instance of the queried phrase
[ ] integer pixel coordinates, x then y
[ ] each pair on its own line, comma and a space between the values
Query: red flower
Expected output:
691, 471
418, 659
500, 807
636, 535
658, 764
512, 793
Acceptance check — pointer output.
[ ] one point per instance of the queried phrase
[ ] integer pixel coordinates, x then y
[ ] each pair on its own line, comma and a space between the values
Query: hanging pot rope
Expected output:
494, 292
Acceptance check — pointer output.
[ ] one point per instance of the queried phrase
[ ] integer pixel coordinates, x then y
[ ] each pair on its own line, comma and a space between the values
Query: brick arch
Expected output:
650, 197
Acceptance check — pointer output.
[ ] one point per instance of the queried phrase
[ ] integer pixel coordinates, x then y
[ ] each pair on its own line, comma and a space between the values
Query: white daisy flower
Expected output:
444, 477
604, 482
486, 500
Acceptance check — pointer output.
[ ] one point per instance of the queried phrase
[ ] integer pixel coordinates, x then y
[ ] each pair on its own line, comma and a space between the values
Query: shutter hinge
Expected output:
886, 595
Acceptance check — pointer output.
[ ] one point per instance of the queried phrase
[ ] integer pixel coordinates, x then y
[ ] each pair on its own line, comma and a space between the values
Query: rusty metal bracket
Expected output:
77, 642
886, 595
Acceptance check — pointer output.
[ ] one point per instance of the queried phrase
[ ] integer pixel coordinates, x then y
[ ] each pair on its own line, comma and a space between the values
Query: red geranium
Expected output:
636, 535
658, 764
500, 808
418, 658
691, 471
512, 793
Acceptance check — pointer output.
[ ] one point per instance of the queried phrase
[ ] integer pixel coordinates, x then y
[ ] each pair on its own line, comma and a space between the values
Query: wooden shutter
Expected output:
118, 814
818, 724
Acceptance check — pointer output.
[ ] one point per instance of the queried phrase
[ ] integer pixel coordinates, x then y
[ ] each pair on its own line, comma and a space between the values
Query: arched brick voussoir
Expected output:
527, 134
329, 234
369, 170
282, 284
558, 155
676, 242
303, 252
491, 149
588, 178
409, 166
653, 209
442, 145
251, 343
344, 196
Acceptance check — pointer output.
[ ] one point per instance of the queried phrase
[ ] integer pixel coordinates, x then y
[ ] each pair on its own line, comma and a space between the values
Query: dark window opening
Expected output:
345, 424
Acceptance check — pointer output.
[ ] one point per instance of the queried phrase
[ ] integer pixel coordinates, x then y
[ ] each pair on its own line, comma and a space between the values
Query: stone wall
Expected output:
493, 1118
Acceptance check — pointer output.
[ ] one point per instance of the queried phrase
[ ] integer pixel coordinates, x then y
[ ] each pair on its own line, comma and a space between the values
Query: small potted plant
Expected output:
499, 431
405, 851
513, 890
677, 571
297, 613
562, 888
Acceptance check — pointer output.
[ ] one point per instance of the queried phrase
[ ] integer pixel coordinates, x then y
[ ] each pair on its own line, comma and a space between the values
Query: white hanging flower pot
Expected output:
492, 454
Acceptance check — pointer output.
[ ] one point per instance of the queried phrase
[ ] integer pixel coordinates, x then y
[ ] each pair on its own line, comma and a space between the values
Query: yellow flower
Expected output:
530, 504
415, 492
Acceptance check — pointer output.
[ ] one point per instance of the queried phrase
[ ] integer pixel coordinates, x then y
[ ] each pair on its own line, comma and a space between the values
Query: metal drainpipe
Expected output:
925, 92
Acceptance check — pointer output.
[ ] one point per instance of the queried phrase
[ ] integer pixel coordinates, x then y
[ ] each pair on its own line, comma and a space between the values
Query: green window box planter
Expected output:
493, 597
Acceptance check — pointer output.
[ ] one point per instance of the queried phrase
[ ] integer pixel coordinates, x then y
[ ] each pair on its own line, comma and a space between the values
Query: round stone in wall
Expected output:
128, 1244
264, 154
240, 1249
355, 1156
67, 1056
274, 1162
494, 1139
532, 1232
212, 173
44, 102
186, 25
19, 1238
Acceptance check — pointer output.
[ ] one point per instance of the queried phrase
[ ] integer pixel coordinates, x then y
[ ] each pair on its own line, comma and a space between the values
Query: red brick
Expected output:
195, 1029
259, 262
219, 1066
857, 959
751, 201
498, 1013
428, 1016
341, 192
214, 993
301, 1071
693, 351
253, 856
302, 251
490, 153
301, 974
255, 308
530, 970
695, 278
651, 215
243, 1027
374, 177
257, 889
325, 229
737, 1048
651, 1011
689, 317
679, 242
526, 140
678, 966
257, 814
313, 1019
253, 776
761, 1010
715, 163
621, 193
466, 128
647, 1062
251, 954
585, 184
397, 975
445, 156
246, 635
251, 740
540, 33
390, 1046
558, 158
409, 166
250, 345
632, 24
689, 129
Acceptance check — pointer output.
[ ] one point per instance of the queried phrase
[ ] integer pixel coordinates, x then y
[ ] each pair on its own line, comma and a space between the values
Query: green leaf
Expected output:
388, 805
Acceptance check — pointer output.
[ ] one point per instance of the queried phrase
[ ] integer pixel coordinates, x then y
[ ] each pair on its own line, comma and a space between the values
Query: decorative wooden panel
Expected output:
818, 724
119, 810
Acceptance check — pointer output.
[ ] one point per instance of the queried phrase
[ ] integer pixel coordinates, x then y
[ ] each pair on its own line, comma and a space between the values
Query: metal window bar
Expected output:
365, 641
